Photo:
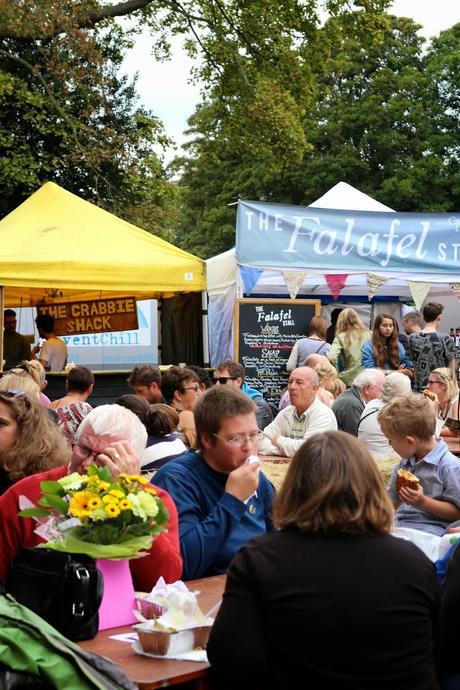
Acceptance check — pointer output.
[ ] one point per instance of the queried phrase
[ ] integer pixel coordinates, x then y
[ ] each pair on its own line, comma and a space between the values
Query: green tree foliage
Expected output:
368, 125
67, 116
355, 100
377, 123
442, 65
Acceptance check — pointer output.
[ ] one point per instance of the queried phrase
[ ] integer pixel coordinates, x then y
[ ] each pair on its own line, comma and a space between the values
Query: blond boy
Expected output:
409, 422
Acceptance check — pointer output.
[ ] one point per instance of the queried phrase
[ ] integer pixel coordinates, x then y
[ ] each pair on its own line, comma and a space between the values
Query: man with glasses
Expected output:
110, 436
16, 349
230, 373
305, 416
221, 496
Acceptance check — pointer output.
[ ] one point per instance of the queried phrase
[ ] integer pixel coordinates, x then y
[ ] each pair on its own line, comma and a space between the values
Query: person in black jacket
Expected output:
329, 601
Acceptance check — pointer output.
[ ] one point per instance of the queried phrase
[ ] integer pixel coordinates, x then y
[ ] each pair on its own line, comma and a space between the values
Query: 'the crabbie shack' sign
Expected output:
93, 316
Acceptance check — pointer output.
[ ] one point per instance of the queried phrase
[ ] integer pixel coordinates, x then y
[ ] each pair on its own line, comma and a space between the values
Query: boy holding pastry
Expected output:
425, 485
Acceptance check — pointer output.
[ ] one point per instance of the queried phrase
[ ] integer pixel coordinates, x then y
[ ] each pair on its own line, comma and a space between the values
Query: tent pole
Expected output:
159, 304
2, 326
204, 319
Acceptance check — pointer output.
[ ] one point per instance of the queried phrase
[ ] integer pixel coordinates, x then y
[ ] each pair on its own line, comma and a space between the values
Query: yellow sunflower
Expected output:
94, 503
117, 493
125, 504
78, 504
138, 478
112, 510
110, 499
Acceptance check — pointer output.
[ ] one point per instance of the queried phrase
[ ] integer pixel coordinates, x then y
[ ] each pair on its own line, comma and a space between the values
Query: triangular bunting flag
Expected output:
419, 291
293, 280
374, 281
249, 276
455, 287
336, 283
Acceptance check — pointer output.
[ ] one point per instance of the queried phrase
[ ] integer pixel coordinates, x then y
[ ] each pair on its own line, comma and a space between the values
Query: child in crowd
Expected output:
165, 441
409, 422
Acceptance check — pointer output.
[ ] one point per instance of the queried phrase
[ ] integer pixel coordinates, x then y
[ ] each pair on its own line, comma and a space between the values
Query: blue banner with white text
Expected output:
282, 236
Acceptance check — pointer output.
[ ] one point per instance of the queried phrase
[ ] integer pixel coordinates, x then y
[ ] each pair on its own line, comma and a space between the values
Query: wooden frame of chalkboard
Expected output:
265, 332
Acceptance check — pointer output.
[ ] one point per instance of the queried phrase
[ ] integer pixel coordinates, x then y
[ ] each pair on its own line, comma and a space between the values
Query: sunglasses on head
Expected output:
223, 379
13, 393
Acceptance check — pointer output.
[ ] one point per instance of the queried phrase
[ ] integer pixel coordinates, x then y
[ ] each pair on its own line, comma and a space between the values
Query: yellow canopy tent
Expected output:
57, 247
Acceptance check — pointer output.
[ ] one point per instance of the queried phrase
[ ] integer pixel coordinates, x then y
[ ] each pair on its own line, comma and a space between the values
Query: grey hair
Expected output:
366, 377
395, 384
115, 420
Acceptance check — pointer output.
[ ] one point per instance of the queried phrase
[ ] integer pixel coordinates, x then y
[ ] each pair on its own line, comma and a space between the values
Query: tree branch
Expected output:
37, 74
89, 18
83, 20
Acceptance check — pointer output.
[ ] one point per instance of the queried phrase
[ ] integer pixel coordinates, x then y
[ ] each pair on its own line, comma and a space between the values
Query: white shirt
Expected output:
370, 433
318, 417
440, 421
54, 351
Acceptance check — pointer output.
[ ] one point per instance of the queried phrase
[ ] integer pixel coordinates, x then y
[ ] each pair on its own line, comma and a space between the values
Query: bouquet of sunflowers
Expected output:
93, 514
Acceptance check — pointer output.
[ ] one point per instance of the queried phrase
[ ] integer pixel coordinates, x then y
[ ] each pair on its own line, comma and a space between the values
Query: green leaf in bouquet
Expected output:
162, 516
51, 488
138, 530
126, 517
53, 501
129, 549
100, 533
34, 512
105, 474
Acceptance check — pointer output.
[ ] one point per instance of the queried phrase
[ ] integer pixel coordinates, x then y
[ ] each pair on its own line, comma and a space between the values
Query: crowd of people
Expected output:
313, 567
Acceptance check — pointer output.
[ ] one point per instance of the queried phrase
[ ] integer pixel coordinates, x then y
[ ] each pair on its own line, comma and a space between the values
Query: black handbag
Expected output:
63, 588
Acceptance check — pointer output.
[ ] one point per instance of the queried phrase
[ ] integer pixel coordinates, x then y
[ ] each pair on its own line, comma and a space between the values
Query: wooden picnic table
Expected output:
148, 673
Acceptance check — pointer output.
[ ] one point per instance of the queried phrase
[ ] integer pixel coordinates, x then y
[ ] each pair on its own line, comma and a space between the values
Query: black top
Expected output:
319, 612
404, 340
5, 482
330, 333
451, 617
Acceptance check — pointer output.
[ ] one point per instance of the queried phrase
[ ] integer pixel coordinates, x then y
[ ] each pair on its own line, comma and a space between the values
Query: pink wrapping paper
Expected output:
118, 600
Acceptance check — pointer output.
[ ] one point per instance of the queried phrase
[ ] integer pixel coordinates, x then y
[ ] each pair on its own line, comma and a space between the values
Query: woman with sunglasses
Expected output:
30, 441
20, 380
181, 389
442, 383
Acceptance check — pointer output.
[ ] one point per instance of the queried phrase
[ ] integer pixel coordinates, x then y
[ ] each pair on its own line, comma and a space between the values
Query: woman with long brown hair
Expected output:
30, 441
385, 351
331, 599
345, 353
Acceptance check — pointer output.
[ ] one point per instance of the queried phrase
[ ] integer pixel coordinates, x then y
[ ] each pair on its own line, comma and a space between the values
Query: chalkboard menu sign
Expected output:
265, 332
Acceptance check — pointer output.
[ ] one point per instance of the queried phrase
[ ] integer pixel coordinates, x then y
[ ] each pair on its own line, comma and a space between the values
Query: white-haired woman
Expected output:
369, 431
